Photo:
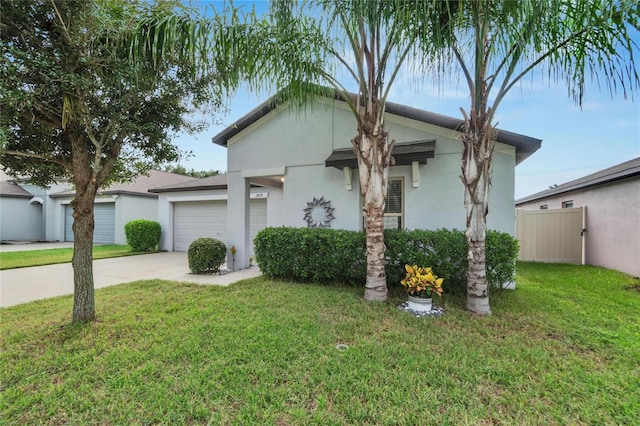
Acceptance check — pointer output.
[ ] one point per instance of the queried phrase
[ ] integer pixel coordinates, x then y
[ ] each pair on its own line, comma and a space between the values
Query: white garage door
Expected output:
195, 219
258, 219
105, 220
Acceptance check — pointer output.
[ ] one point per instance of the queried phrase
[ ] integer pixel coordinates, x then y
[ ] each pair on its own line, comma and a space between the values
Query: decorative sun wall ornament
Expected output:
319, 213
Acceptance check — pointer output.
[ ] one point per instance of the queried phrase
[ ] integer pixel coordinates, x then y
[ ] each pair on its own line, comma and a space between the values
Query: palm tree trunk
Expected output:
376, 284
373, 170
476, 176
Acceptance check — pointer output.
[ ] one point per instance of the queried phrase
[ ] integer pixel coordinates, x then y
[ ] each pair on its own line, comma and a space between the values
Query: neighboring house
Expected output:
612, 200
114, 207
303, 165
25, 208
32, 213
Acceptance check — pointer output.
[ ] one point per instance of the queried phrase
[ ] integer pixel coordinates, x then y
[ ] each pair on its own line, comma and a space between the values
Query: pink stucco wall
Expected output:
613, 222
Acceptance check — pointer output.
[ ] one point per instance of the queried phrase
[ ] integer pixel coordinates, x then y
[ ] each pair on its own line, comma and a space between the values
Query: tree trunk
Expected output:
476, 176
83, 225
373, 170
374, 202
477, 286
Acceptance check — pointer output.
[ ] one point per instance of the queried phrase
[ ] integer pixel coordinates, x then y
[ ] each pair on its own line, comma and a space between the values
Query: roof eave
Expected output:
562, 189
524, 145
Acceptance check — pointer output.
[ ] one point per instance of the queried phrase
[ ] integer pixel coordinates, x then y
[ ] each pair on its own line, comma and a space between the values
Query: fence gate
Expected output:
554, 235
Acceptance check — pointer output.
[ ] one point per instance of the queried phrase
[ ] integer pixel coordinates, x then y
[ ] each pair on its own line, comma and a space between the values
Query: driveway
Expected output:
24, 285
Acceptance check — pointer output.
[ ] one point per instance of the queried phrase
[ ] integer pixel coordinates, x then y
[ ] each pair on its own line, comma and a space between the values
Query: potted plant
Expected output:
421, 283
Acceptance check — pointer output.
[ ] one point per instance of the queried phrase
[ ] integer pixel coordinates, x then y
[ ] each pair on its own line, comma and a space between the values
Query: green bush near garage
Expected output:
324, 255
143, 235
206, 255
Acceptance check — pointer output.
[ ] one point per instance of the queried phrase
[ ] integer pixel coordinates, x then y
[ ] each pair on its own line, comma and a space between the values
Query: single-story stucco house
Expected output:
114, 207
612, 200
25, 208
297, 168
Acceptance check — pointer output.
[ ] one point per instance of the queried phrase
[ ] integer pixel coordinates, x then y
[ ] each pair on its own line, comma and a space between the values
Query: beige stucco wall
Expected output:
613, 222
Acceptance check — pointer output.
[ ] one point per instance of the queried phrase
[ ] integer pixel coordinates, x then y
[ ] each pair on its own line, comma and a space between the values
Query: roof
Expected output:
9, 188
403, 154
620, 171
141, 185
210, 182
524, 145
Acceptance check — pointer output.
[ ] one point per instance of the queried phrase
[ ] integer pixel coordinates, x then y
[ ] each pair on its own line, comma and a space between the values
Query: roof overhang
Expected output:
403, 153
524, 145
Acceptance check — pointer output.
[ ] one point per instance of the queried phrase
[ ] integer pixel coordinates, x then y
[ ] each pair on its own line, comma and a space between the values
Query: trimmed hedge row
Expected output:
329, 255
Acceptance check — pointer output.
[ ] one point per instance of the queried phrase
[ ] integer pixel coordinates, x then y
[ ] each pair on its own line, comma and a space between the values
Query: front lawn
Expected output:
23, 259
563, 348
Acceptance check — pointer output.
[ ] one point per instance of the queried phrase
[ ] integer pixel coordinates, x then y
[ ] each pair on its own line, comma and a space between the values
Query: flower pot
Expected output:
420, 304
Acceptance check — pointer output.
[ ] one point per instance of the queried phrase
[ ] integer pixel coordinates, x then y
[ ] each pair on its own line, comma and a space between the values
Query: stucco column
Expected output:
238, 219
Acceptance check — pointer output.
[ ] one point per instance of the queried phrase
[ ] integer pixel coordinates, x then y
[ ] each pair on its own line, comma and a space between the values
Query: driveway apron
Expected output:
24, 285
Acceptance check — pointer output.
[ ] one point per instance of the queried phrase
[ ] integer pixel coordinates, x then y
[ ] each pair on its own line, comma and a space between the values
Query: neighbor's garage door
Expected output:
195, 219
105, 220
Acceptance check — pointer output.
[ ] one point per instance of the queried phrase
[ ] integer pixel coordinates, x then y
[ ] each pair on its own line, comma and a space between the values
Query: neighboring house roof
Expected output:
9, 188
139, 186
620, 171
211, 182
524, 145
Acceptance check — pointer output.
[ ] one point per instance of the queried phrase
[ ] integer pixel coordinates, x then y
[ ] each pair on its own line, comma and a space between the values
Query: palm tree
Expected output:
495, 43
308, 46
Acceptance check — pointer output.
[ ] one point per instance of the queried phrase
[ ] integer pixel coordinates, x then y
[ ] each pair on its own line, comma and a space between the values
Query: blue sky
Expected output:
575, 142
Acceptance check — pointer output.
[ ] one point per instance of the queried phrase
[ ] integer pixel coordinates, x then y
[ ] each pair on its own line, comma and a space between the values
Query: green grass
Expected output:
563, 348
23, 259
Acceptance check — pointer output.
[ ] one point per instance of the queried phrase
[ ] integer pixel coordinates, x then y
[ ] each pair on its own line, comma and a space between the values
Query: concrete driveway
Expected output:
24, 285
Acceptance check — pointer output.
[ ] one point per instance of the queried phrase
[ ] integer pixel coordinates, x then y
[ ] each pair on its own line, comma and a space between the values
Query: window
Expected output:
567, 204
394, 208
544, 207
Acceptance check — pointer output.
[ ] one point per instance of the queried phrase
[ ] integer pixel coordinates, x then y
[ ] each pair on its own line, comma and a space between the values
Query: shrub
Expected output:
445, 250
206, 255
143, 235
329, 255
311, 254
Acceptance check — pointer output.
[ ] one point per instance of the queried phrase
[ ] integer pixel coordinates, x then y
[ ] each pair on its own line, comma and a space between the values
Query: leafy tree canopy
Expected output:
67, 78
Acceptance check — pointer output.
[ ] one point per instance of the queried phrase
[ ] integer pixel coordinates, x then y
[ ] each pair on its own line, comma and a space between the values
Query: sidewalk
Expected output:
24, 285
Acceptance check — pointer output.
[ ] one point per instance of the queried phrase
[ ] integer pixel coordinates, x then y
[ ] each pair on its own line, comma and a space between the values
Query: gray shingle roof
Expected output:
524, 145
619, 171
8, 187
141, 185
12, 189
211, 182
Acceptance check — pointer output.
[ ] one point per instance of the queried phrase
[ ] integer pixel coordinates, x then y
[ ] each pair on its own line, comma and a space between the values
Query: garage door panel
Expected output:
257, 220
197, 219
105, 223
192, 220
